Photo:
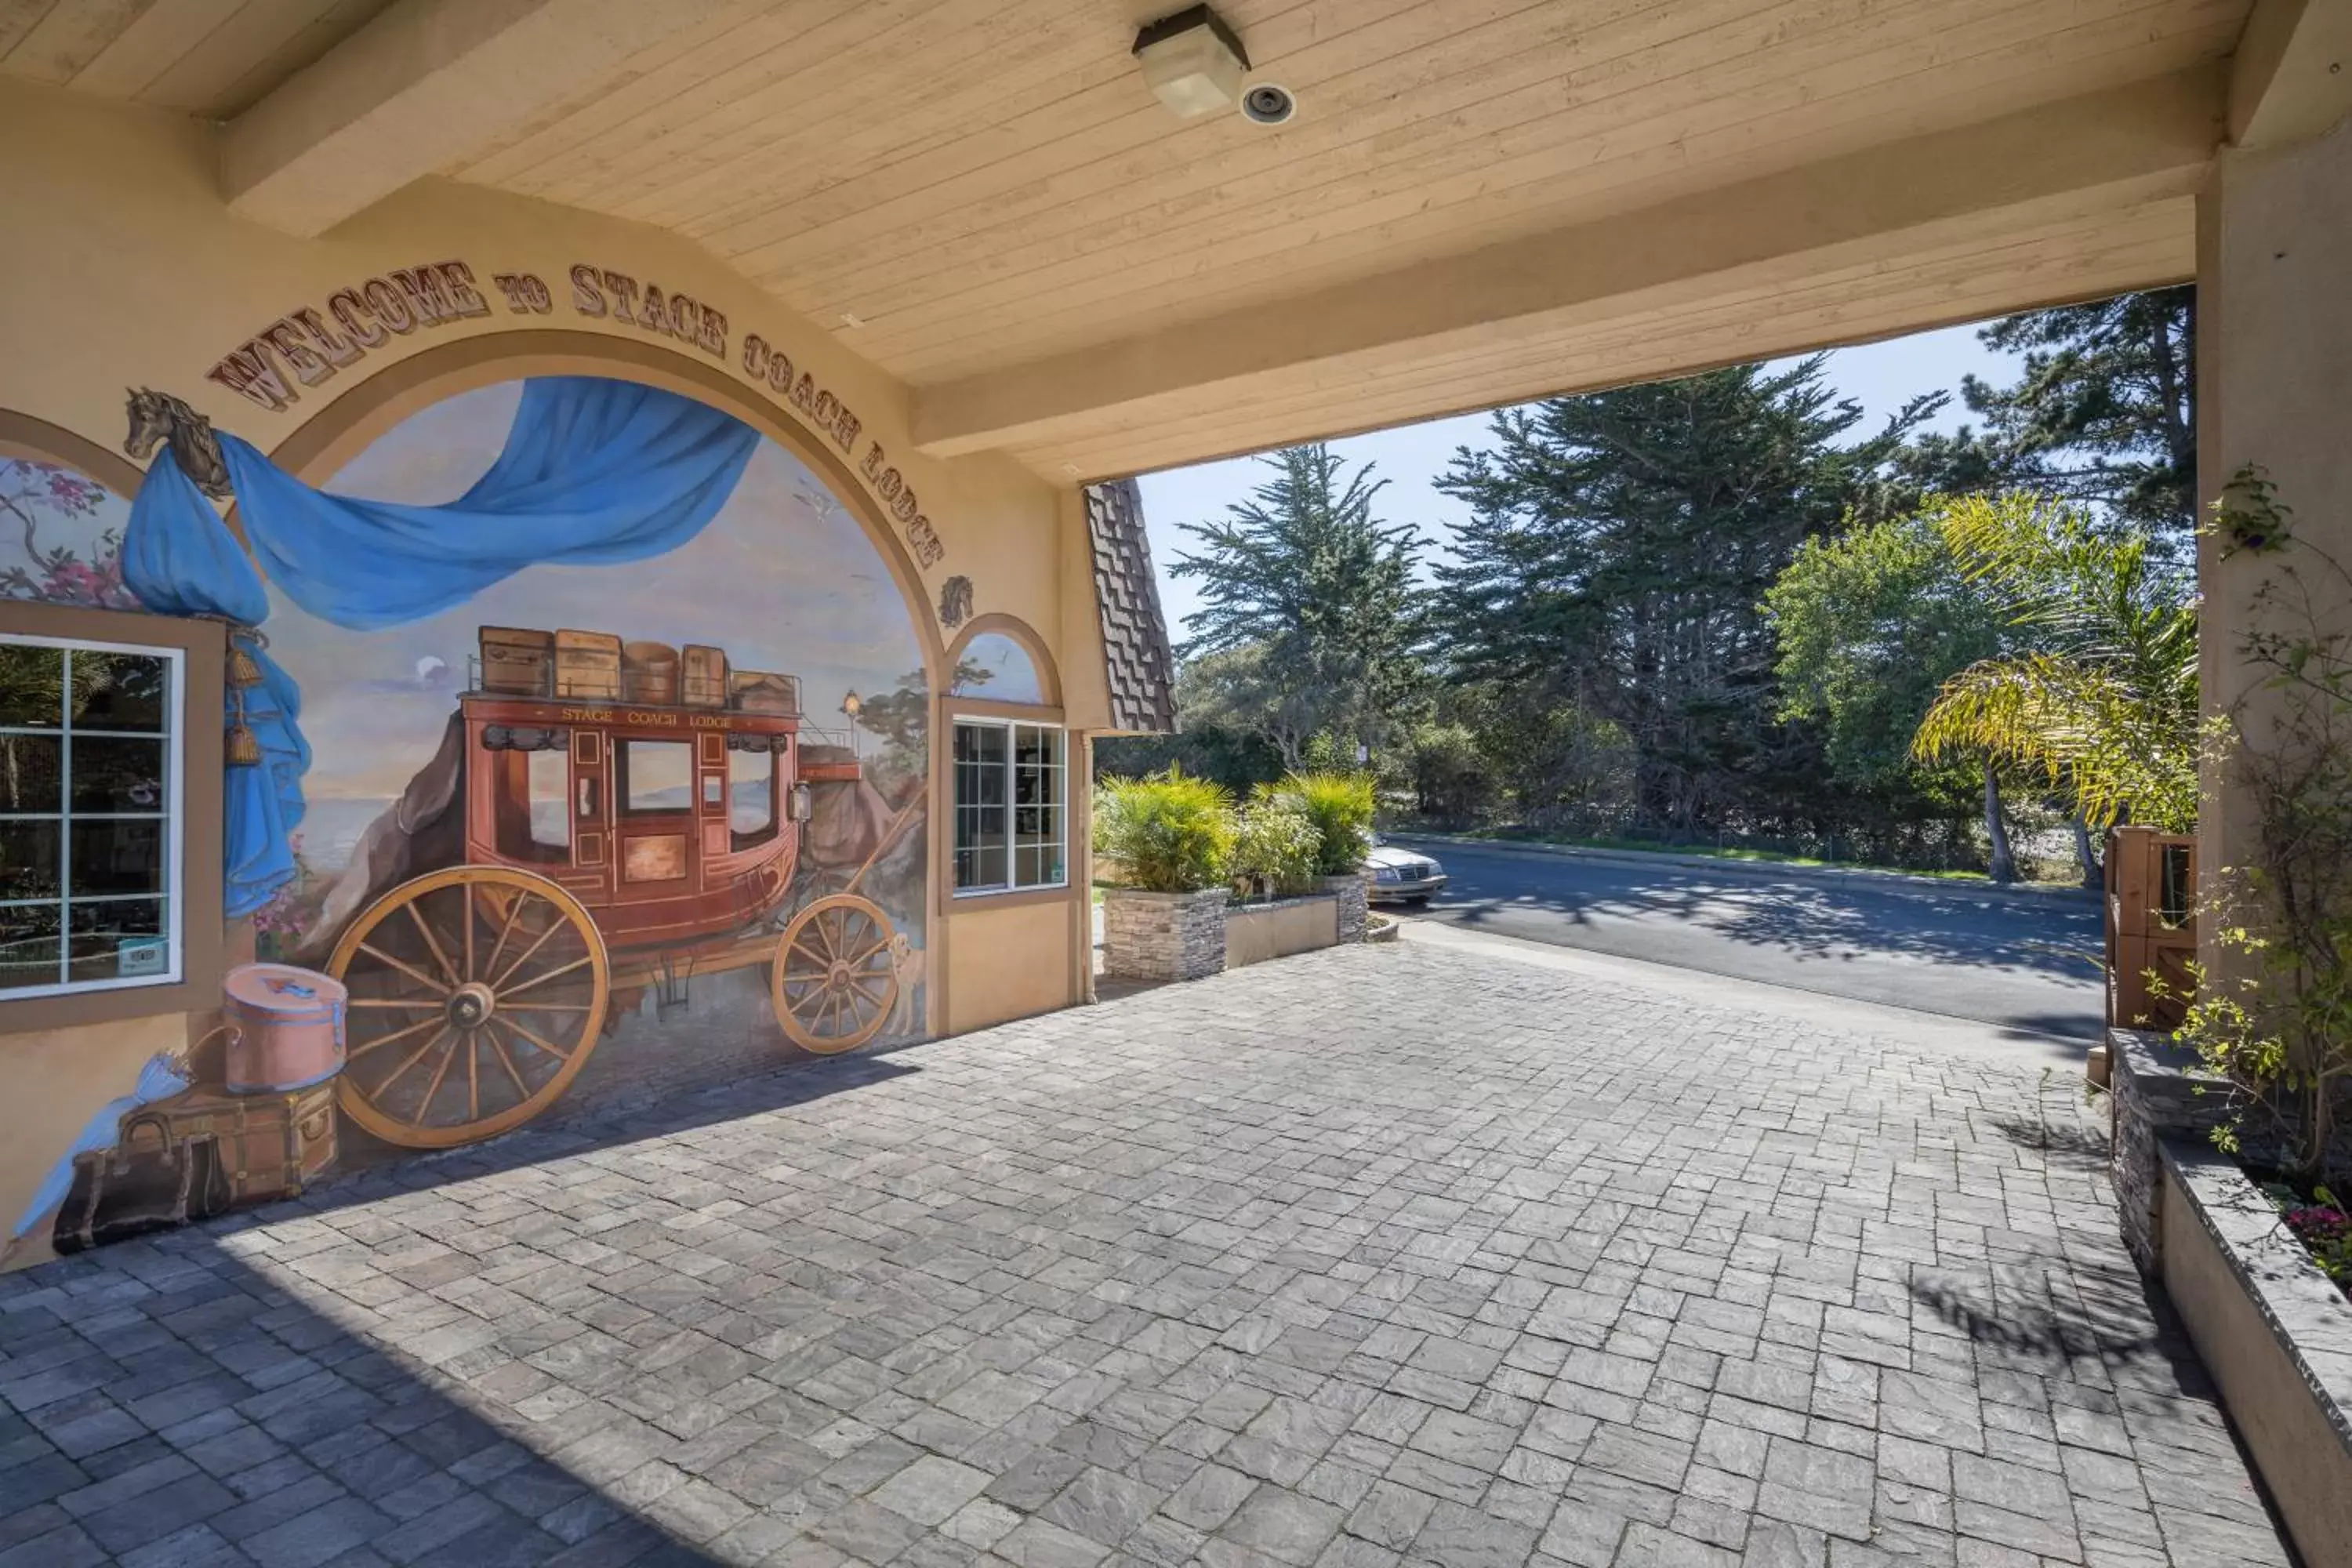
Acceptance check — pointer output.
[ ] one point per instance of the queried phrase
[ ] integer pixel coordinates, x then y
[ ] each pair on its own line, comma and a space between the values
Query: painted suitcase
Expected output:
517, 662
588, 665
265, 1146
649, 674
199, 1152
705, 676
760, 691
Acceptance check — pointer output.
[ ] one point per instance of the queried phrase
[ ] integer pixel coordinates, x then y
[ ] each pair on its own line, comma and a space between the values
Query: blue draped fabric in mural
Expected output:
180, 559
593, 472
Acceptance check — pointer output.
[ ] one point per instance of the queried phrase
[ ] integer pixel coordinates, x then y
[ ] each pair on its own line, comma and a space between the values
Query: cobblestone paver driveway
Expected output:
1379, 1255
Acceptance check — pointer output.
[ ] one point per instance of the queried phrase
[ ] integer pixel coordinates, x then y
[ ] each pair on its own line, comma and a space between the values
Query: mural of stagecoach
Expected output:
603, 820
562, 840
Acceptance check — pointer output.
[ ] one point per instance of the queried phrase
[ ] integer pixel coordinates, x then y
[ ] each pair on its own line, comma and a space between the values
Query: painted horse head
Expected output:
158, 416
955, 602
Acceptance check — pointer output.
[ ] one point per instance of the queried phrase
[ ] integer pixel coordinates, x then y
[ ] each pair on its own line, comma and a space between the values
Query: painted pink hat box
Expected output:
284, 1028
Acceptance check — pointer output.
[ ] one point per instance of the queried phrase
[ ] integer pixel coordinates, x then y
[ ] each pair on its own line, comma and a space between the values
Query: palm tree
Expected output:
2099, 690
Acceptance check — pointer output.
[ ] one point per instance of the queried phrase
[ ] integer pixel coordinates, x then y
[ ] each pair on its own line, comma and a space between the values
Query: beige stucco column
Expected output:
2274, 388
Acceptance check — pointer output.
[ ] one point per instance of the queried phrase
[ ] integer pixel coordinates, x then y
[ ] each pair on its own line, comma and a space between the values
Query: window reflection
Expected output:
86, 760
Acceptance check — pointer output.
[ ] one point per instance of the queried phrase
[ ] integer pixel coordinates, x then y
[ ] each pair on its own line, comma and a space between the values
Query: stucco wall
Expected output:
51, 1083
1009, 960
2273, 380
126, 271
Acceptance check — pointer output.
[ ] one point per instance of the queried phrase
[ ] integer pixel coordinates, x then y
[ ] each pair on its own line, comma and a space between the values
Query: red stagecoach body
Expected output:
612, 829
671, 825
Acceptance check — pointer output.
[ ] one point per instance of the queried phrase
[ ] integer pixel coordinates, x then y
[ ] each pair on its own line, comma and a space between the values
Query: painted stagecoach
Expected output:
605, 820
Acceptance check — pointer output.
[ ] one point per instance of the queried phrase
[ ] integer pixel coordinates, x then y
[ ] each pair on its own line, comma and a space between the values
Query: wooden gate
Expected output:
2151, 926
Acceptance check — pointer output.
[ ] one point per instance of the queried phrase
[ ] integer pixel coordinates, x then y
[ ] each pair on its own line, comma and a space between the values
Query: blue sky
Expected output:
1881, 376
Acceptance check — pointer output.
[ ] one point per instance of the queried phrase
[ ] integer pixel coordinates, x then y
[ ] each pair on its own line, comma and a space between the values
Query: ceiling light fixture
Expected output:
1193, 61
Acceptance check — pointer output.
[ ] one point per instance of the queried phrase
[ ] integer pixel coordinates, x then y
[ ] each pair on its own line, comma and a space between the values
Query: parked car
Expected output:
1401, 876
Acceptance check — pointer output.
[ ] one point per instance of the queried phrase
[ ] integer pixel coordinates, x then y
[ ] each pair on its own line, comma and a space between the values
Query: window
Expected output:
982, 782
995, 666
751, 798
89, 796
656, 776
1009, 796
548, 783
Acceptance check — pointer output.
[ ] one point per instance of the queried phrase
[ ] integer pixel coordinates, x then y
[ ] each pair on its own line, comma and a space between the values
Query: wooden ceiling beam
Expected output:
2115, 148
425, 84
2291, 74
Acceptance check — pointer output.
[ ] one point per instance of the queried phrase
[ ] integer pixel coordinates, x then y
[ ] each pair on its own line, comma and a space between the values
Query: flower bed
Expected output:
2325, 1229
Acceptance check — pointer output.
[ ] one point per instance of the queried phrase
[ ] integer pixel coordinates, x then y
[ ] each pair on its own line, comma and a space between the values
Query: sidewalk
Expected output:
1753, 867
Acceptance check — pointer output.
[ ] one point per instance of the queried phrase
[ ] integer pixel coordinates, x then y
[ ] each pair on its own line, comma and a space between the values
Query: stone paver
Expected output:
1377, 1257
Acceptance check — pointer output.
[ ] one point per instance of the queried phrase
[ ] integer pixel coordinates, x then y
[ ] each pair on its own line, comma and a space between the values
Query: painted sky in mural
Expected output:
783, 579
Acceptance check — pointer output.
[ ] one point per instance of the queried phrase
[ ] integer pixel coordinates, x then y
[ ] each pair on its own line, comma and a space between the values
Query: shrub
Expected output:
1339, 805
1169, 833
1275, 848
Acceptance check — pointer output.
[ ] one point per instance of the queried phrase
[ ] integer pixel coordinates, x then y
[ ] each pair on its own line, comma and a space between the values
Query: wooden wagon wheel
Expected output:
832, 983
477, 994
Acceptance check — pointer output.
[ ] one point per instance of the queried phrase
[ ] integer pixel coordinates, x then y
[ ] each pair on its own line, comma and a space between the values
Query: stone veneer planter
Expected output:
1163, 936
1187, 936
1354, 893
2275, 1332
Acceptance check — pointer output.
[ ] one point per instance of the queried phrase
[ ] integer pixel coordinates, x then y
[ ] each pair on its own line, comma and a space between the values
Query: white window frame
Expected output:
173, 818
1011, 883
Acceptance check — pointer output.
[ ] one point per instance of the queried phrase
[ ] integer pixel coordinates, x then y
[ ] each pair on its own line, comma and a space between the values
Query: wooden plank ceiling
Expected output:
980, 184
957, 186
212, 59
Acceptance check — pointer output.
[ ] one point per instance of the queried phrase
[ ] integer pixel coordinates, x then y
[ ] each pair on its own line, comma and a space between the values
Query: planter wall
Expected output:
2275, 1333
2158, 1089
1163, 936
1255, 933
1186, 936
1354, 893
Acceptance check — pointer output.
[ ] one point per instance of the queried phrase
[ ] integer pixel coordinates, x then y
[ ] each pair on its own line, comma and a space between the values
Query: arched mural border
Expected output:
343, 428
1049, 675
367, 409
37, 440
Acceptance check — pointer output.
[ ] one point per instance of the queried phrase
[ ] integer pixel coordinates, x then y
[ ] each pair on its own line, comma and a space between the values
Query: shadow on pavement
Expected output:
370, 1169
161, 1397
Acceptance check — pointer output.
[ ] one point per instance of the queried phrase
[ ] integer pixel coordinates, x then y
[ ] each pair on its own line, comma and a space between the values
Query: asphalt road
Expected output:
2024, 961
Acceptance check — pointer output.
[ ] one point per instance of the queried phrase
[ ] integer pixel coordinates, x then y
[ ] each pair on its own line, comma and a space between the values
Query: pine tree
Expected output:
2104, 414
1309, 600
1619, 548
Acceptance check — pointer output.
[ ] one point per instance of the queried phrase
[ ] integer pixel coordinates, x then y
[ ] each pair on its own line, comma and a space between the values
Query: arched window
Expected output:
994, 666
1009, 764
